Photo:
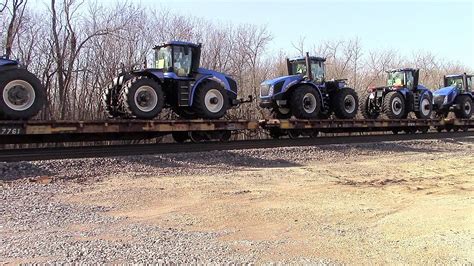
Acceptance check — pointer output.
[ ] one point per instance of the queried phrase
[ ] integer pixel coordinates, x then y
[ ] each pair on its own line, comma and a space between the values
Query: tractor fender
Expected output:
156, 75
426, 92
218, 77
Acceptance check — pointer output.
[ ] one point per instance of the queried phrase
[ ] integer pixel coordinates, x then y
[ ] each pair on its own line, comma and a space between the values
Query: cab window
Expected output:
182, 57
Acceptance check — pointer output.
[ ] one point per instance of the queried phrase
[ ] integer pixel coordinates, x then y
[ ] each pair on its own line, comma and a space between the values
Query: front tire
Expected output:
143, 97
394, 105
305, 102
210, 101
22, 94
464, 103
426, 107
345, 103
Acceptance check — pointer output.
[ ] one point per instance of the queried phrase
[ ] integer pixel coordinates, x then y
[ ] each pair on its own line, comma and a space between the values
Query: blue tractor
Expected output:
399, 97
306, 94
457, 95
177, 82
21, 92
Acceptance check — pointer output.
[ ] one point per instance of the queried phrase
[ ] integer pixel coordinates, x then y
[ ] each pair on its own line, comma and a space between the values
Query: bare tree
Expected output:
16, 11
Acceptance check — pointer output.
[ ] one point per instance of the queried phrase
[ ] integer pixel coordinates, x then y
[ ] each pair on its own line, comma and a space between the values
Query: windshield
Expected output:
396, 78
455, 81
163, 58
317, 69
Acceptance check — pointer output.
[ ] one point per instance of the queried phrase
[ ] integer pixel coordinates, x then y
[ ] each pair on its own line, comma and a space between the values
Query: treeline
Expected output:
77, 47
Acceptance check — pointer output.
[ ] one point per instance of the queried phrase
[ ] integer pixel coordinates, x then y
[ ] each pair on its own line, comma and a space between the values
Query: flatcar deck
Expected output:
35, 131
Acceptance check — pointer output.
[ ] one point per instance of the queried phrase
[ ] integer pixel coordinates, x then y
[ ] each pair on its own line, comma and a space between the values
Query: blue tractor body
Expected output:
457, 95
7, 62
176, 81
306, 94
402, 95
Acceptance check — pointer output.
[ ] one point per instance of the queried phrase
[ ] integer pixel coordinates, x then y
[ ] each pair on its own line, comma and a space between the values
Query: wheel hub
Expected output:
397, 106
214, 101
19, 95
146, 98
349, 104
309, 103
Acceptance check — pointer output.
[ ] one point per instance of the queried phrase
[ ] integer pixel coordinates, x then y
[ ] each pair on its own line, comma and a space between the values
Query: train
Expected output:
178, 82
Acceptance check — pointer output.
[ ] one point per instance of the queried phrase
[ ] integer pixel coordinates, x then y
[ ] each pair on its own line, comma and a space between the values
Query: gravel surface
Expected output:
94, 169
36, 226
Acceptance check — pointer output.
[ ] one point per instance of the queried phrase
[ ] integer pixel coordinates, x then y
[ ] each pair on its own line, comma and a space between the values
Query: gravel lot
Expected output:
222, 207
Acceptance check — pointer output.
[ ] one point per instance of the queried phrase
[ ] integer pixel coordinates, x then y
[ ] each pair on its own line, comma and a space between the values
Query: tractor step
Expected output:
183, 96
417, 102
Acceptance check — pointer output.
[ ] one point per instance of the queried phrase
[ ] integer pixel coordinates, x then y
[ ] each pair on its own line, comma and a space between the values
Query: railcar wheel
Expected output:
180, 136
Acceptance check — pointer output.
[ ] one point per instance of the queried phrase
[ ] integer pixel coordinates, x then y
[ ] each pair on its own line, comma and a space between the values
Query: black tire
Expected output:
180, 136
425, 105
110, 102
305, 102
345, 103
394, 105
111, 96
221, 104
20, 81
150, 89
464, 106
278, 114
367, 112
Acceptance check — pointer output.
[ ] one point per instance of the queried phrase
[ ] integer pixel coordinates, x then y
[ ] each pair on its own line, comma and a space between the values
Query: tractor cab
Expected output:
180, 58
403, 78
311, 67
462, 82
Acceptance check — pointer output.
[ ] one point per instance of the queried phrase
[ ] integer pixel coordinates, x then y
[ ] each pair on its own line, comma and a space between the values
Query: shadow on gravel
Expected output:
217, 159
385, 147
21, 170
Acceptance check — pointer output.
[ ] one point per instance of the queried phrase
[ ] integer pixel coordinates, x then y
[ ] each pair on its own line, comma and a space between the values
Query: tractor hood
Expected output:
271, 87
7, 62
444, 91
285, 79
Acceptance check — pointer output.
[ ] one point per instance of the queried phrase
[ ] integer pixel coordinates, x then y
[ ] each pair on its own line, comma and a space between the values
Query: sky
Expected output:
443, 28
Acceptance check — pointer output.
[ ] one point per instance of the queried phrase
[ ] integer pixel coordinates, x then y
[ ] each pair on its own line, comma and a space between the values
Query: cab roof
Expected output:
178, 43
458, 75
315, 58
402, 69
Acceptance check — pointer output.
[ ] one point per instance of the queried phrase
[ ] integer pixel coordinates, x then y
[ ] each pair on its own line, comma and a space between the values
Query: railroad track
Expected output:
14, 155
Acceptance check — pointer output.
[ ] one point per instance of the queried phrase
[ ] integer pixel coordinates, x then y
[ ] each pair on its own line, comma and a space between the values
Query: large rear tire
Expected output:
426, 107
364, 106
464, 106
345, 103
210, 100
394, 105
305, 102
142, 97
22, 95
111, 96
